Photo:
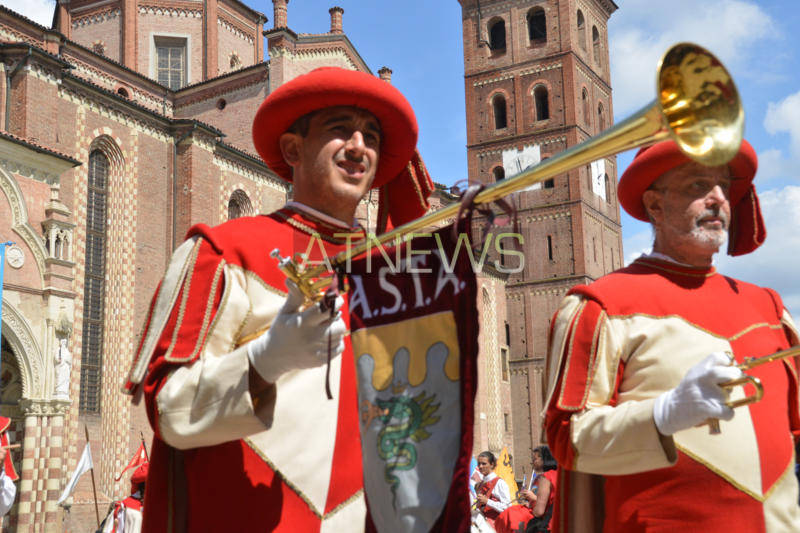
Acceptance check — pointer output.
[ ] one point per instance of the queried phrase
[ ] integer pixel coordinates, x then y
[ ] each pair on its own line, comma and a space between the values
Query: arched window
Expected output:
537, 26
499, 173
581, 30
497, 34
609, 189
589, 178
94, 283
122, 91
550, 247
499, 108
596, 44
541, 102
587, 118
601, 117
239, 205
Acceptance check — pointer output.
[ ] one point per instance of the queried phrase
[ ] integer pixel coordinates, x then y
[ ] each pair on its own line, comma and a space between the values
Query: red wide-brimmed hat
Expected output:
746, 232
398, 162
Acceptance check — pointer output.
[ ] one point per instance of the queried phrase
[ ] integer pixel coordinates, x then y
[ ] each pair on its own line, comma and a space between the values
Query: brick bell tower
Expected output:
537, 82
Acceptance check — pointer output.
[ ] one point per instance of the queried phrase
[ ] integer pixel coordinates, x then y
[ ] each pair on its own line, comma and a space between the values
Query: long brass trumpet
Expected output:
697, 105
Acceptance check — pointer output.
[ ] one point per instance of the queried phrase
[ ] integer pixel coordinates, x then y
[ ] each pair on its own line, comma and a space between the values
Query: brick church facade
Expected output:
121, 125
537, 82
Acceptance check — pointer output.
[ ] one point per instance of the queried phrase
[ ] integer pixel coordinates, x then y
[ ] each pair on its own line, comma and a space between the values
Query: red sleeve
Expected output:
574, 379
187, 327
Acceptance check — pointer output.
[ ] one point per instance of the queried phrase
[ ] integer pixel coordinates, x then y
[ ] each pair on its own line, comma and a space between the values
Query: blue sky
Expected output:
421, 42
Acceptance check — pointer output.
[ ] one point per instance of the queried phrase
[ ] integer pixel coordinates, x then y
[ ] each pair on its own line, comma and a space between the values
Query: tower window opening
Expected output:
497, 35
601, 117
541, 102
585, 100
596, 44
537, 26
581, 30
499, 108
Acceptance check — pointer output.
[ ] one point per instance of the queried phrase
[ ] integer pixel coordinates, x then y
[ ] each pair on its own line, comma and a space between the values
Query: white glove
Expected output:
697, 397
297, 338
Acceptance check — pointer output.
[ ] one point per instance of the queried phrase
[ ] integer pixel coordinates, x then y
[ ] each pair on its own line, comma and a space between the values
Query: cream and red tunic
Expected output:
620, 342
288, 460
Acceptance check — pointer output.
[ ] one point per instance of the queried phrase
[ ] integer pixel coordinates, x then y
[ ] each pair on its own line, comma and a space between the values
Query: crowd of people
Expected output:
531, 508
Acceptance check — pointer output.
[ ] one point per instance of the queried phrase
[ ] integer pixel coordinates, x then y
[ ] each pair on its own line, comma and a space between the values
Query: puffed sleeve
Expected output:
588, 430
197, 387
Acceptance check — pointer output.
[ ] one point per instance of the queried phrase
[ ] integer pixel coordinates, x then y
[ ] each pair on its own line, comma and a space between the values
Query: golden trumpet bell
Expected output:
700, 104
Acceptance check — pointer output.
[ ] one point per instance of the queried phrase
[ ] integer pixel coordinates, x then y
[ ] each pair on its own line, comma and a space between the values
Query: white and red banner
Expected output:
414, 332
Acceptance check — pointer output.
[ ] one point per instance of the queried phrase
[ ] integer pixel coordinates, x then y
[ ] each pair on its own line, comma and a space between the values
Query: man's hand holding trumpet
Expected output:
702, 395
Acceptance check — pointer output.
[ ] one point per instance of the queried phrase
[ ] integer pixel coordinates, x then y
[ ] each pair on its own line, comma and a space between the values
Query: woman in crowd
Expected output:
536, 507
492, 493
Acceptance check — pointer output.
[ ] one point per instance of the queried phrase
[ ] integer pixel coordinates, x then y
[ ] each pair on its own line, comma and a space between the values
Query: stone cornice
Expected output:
220, 85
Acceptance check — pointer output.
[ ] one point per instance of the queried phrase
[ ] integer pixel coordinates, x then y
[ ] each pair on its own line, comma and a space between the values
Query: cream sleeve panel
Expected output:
208, 402
623, 438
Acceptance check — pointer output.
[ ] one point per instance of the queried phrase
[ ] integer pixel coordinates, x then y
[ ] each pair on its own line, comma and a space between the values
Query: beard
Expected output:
710, 238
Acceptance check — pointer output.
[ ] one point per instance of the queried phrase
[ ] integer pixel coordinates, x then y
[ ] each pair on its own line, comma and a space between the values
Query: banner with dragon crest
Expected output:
414, 333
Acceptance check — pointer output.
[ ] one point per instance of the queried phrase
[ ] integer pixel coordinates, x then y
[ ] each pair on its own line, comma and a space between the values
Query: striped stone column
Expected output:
42, 466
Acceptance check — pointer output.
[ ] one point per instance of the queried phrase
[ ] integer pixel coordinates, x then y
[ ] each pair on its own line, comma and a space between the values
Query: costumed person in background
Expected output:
492, 493
126, 515
232, 416
534, 513
8, 490
637, 358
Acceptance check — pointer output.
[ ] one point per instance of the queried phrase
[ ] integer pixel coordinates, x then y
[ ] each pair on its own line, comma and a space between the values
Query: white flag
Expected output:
84, 465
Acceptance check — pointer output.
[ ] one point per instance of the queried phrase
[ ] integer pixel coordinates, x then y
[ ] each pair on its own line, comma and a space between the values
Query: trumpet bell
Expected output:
700, 104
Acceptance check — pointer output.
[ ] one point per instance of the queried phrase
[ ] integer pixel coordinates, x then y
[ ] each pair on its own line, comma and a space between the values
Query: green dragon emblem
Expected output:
403, 419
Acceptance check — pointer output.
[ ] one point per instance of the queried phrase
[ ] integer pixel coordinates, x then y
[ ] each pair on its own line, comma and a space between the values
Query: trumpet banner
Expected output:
414, 332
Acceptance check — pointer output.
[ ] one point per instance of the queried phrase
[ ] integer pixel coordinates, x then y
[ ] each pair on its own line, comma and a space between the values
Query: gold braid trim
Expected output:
209, 306
314, 233
575, 320
296, 490
664, 268
754, 327
344, 504
759, 497
182, 308
697, 326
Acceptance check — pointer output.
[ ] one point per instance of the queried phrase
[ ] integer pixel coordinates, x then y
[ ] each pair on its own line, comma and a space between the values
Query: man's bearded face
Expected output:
696, 210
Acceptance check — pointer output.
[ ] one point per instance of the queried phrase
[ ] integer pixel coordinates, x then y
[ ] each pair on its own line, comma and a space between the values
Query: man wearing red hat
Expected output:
126, 515
637, 358
8, 491
246, 438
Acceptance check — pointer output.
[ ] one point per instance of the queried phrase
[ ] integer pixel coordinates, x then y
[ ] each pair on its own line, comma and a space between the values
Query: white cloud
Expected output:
642, 31
772, 164
772, 264
784, 116
641, 242
40, 11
